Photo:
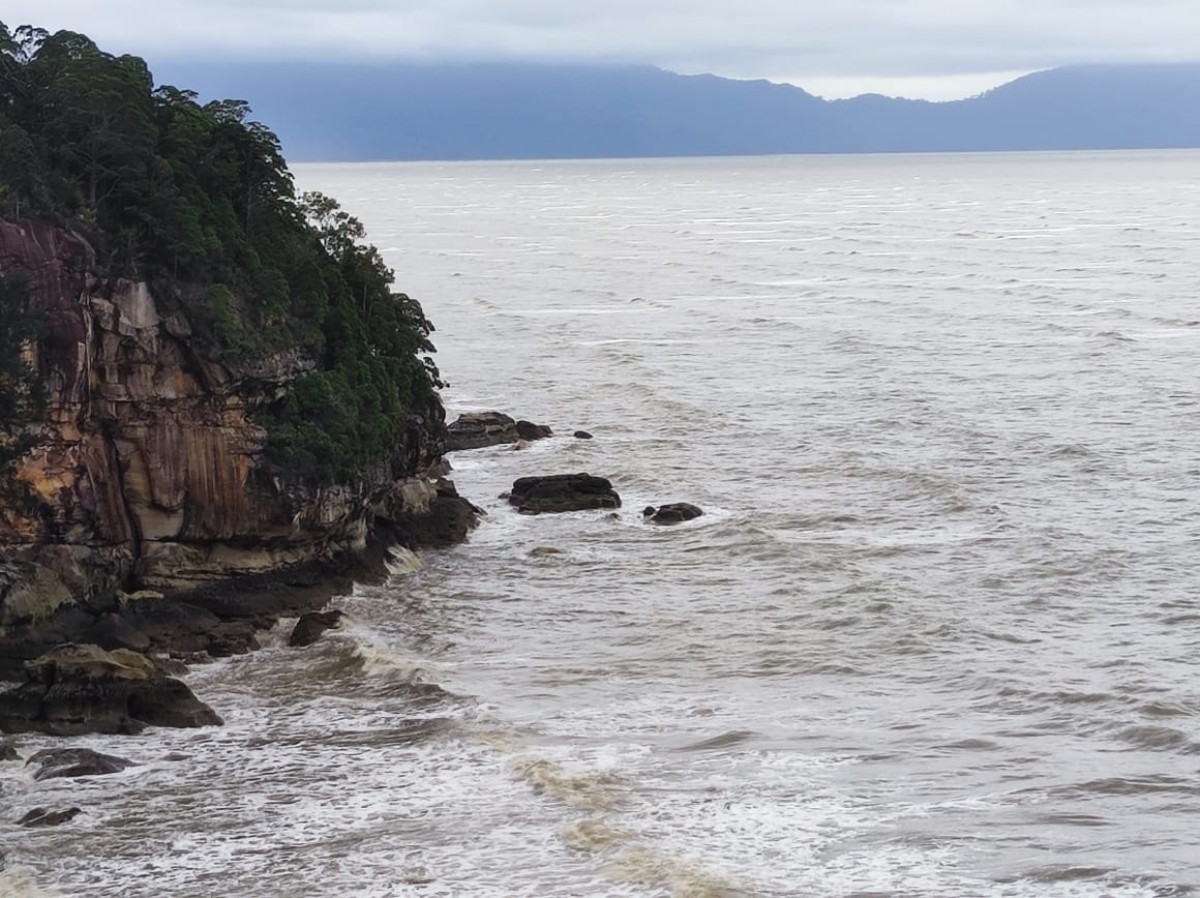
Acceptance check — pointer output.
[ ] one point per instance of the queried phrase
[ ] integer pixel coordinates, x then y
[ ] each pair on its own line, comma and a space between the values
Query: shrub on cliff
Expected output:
197, 200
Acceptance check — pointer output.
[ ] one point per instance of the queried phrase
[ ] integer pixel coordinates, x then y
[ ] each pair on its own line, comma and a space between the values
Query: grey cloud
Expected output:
750, 38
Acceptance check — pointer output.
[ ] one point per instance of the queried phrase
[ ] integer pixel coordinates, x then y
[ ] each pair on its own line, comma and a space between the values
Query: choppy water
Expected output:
936, 635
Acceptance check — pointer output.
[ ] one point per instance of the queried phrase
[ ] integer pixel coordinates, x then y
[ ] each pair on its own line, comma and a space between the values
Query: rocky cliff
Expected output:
149, 472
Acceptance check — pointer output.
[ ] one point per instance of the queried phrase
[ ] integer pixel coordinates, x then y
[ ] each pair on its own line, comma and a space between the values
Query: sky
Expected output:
929, 49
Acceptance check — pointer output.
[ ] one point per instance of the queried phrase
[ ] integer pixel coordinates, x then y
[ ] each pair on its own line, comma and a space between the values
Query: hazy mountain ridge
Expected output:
408, 111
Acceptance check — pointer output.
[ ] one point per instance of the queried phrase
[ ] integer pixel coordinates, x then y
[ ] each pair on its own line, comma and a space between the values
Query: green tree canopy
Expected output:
196, 199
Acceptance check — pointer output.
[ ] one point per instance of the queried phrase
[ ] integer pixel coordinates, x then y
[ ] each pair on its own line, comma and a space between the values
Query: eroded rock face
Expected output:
562, 492
149, 473
78, 689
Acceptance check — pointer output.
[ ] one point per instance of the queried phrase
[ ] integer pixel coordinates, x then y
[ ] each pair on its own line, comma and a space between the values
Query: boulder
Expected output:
527, 430
7, 751
562, 492
673, 513
78, 689
47, 817
476, 430
310, 626
582, 435
55, 763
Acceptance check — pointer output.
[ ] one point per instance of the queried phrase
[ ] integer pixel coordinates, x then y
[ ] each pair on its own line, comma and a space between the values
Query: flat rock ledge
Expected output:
672, 513
562, 492
77, 689
478, 430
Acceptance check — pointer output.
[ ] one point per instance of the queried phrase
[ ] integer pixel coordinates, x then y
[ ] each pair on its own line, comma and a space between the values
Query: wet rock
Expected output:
527, 430
582, 435
311, 625
562, 492
56, 763
673, 513
46, 817
476, 430
7, 751
171, 626
78, 689
111, 631
234, 637
442, 520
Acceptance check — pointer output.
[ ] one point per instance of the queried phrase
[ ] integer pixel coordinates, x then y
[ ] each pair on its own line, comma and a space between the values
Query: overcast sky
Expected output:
937, 49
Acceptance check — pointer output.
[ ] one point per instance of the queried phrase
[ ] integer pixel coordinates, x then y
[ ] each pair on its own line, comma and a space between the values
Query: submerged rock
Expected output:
562, 492
582, 435
673, 513
311, 625
47, 817
55, 763
79, 689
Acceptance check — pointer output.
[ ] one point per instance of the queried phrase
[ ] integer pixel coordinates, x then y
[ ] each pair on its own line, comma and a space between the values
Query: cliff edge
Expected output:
149, 472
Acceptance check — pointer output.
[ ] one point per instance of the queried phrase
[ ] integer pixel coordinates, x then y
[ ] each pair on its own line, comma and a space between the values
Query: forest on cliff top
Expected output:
196, 200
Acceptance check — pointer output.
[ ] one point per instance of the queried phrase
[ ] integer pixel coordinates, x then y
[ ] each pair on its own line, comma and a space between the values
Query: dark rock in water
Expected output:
475, 430
674, 513
234, 637
54, 763
111, 631
562, 492
78, 689
527, 430
582, 435
311, 625
170, 625
46, 817
445, 520
7, 752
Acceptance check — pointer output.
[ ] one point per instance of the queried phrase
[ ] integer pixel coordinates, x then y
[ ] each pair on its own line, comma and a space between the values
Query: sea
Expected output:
936, 634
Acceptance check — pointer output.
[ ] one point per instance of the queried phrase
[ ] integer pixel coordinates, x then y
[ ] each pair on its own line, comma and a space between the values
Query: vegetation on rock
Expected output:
196, 199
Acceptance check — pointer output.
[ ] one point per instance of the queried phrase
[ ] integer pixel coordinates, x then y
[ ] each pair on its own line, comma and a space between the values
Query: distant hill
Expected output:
324, 111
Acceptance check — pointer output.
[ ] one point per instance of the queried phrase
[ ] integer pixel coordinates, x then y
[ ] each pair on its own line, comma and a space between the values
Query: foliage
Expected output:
197, 199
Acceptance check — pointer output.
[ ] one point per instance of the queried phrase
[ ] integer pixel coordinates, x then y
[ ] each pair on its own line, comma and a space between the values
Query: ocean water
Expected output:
936, 634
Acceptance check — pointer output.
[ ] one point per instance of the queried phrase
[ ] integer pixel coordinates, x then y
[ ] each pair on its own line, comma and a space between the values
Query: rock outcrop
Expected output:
311, 625
149, 473
562, 492
672, 513
61, 763
47, 817
478, 430
78, 689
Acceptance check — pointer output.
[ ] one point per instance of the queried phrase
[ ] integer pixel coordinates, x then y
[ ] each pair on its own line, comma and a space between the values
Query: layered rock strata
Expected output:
149, 473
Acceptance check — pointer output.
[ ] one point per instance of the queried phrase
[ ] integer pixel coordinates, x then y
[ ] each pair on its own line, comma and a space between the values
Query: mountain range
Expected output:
410, 111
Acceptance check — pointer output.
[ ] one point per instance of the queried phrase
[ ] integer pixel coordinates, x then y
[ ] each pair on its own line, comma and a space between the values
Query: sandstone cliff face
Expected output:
148, 474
